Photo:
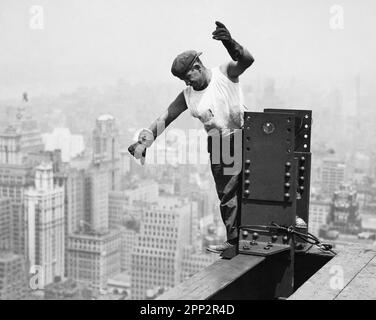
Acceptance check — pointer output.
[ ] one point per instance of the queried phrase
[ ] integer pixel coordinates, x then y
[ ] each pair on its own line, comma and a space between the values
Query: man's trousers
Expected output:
226, 161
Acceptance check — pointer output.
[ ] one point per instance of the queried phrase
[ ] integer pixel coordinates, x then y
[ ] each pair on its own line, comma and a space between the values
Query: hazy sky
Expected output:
87, 42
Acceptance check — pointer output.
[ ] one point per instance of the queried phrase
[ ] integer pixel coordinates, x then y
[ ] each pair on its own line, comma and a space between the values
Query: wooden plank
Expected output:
363, 286
335, 276
215, 277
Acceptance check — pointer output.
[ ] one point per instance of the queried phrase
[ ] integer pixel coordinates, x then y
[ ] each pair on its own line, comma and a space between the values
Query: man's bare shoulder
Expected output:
224, 69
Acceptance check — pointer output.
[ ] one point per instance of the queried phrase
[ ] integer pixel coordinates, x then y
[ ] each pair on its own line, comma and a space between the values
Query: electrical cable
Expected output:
308, 238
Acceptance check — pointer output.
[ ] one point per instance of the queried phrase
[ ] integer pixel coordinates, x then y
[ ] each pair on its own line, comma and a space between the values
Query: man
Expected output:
214, 97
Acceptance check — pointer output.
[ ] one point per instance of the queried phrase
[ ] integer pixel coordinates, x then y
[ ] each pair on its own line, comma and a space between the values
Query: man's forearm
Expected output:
158, 126
236, 51
245, 59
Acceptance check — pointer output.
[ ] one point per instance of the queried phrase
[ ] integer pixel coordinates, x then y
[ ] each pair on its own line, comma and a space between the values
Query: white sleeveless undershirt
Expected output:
220, 106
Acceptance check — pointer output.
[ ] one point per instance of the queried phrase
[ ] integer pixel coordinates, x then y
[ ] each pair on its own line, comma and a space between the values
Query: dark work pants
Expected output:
228, 184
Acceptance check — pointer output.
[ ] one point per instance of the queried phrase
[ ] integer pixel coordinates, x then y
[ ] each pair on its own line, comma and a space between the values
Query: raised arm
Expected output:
241, 57
147, 136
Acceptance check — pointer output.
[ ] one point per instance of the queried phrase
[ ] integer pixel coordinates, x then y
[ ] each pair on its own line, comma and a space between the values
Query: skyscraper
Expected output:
14, 180
75, 199
333, 174
130, 201
128, 242
106, 149
318, 215
96, 192
93, 250
44, 207
94, 257
157, 256
13, 282
5, 224
20, 138
344, 211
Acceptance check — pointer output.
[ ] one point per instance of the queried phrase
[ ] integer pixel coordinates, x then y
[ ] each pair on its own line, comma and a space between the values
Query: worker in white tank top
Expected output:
220, 106
214, 97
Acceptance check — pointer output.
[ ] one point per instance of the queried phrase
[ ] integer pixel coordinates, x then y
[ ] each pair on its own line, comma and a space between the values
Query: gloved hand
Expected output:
221, 33
138, 149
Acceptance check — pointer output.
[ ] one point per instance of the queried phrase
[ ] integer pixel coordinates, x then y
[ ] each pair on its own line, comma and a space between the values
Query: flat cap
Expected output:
183, 62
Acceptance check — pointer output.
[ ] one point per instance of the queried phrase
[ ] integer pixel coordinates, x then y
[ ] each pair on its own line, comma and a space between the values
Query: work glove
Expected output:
221, 33
138, 149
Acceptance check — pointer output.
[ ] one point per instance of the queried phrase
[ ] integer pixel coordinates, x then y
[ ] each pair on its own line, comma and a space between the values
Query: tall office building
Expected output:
44, 207
93, 250
344, 211
74, 191
17, 141
5, 224
14, 180
13, 281
94, 257
96, 192
10, 147
16, 145
157, 256
130, 201
71, 177
333, 174
318, 215
117, 203
128, 242
106, 148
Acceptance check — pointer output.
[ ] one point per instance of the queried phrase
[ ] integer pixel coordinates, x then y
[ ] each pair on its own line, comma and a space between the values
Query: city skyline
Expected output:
81, 218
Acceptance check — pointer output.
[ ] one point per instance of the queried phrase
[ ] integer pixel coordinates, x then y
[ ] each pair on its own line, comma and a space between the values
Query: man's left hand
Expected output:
221, 32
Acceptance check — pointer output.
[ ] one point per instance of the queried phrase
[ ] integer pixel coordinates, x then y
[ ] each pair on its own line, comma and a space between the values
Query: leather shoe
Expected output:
220, 247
